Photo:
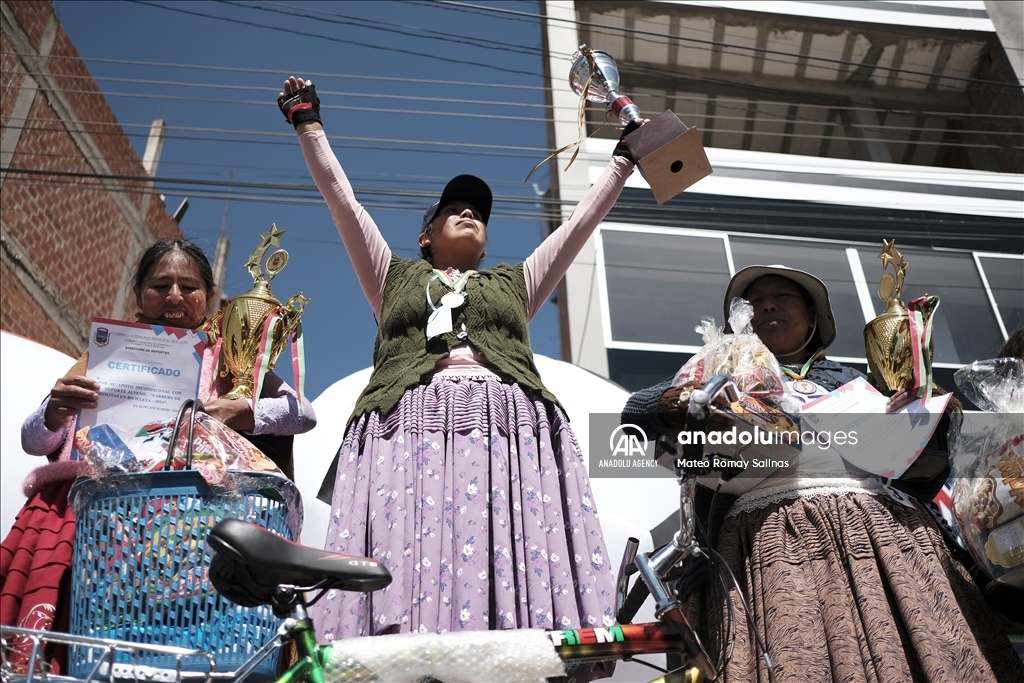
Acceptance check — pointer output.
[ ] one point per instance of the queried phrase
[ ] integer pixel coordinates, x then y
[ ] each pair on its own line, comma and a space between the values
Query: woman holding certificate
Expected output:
173, 286
458, 469
849, 577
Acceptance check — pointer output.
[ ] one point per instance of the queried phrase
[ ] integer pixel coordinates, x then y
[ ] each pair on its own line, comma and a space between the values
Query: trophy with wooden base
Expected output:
670, 154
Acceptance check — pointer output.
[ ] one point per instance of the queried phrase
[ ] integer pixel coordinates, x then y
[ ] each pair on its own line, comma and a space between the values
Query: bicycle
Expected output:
253, 567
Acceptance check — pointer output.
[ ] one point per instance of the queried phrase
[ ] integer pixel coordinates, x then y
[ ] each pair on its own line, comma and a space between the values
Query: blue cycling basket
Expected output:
140, 571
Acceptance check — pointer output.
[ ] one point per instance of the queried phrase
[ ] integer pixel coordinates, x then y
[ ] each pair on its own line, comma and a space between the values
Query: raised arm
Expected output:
369, 253
548, 263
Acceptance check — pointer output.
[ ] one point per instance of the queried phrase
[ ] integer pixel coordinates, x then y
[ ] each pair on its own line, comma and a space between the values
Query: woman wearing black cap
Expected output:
458, 468
849, 579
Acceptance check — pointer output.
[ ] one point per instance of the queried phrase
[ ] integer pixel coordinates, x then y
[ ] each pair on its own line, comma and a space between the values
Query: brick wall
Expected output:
69, 243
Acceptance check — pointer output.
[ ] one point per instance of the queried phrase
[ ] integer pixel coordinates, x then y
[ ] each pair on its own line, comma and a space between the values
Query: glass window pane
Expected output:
659, 286
827, 262
965, 328
1006, 280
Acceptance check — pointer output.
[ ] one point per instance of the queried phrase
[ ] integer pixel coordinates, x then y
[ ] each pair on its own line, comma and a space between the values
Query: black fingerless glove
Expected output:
620, 149
301, 106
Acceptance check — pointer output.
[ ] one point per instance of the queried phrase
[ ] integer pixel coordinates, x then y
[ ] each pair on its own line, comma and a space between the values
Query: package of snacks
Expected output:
740, 354
987, 461
216, 449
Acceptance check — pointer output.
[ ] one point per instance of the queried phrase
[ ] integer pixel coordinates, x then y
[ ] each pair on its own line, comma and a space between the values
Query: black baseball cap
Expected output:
467, 188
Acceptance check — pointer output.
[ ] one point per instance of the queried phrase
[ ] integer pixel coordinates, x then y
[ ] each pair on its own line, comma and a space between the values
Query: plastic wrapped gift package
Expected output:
988, 468
741, 355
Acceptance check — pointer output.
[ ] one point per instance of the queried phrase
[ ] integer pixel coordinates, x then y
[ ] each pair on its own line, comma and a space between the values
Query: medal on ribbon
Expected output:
440, 318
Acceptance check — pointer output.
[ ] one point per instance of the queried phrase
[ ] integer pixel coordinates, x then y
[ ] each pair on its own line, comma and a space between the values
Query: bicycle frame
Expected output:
628, 640
672, 634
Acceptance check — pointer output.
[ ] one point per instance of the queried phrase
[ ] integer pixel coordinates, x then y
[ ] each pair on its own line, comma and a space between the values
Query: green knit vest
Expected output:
496, 324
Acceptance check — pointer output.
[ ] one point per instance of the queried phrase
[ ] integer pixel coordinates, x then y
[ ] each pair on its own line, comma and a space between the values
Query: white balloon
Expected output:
28, 371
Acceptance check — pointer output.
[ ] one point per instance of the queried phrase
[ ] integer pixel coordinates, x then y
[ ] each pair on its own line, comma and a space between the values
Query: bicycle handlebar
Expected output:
655, 567
633, 602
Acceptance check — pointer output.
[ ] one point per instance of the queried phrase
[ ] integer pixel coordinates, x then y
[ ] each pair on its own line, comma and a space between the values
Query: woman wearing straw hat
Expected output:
848, 579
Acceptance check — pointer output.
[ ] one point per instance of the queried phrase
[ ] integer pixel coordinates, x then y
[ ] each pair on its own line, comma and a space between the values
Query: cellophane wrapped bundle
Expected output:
987, 463
740, 354
217, 449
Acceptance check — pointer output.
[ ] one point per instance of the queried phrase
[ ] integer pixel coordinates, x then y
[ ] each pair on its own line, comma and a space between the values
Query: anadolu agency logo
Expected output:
628, 448
628, 444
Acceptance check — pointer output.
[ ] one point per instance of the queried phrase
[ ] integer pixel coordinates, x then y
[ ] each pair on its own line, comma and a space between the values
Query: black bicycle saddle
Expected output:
249, 563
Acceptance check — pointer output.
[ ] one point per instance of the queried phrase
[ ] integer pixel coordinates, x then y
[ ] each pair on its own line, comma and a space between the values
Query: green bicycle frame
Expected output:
579, 645
623, 642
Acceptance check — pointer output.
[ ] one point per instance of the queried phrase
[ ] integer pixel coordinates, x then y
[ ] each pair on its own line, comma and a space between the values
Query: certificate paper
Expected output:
144, 371
886, 444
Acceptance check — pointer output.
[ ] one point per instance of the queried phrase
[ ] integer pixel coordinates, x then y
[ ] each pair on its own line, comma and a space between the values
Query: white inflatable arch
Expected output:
27, 373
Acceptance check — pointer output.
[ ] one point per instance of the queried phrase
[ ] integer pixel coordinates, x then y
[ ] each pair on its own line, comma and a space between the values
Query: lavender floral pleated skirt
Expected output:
476, 498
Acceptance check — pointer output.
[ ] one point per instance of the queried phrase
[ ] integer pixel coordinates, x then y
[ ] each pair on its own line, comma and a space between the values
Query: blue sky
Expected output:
413, 93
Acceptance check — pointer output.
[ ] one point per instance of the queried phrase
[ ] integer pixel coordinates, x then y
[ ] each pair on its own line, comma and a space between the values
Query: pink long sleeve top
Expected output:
371, 255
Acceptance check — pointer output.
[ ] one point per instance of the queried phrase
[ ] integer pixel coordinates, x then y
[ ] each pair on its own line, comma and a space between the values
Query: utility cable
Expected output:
934, 141
408, 31
839, 104
333, 39
742, 104
725, 206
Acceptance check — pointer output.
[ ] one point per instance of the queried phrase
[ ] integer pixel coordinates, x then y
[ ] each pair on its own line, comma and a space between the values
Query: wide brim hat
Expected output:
812, 285
466, 188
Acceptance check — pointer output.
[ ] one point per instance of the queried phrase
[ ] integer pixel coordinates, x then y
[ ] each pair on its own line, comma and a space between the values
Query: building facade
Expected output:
830, 127
77, 205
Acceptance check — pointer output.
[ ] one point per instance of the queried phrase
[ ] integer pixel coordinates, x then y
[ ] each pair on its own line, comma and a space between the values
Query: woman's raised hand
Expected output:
621, 150
300, 105
68, 396
293, 84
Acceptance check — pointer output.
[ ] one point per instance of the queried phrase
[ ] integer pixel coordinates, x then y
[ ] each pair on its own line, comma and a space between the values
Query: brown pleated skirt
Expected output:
853, 587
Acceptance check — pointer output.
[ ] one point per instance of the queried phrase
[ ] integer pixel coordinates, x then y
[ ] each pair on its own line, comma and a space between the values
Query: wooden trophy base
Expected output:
670, 155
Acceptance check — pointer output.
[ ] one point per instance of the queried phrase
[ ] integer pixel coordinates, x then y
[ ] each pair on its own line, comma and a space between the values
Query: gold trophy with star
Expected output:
889, 337
254, 328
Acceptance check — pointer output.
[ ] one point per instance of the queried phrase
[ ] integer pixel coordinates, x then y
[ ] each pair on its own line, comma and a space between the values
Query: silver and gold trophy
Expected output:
670, 154
888, 338
255, 327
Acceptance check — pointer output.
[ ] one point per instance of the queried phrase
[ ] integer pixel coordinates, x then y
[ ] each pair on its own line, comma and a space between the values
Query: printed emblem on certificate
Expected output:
144, 371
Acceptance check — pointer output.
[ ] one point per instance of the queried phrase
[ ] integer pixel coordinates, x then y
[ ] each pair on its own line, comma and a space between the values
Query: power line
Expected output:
265, 89
530, 150
722, 104
689, 97
239, 185
834, 102
546, 207
285, 138
277, 72
409, 31
308, 34
338, 107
